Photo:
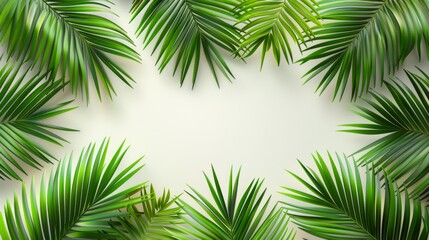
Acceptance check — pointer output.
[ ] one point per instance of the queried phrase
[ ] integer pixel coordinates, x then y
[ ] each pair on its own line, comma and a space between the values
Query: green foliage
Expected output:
75, 202
154, 219
233, 217
23, 109
185, 28
361, 40
340, 205
67, 38
403, 120
275, 24
357, 45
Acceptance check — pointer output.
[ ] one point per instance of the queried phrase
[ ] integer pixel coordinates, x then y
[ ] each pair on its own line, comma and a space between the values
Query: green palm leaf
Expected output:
69, 38
275, 24
154, 219
234, 217
339, 205
403, 120
185, 28
75, 202
23, 109
362, 40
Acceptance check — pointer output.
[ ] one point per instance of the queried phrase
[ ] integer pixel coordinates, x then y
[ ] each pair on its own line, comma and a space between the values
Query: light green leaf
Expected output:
276, 25
232, 216
74, 201
154, 218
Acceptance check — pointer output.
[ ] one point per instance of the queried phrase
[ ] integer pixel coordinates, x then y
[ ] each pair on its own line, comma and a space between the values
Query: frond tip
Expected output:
185, 28
75, 202
339, 205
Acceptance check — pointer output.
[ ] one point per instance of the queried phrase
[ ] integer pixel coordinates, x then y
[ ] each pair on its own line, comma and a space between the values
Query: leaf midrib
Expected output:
196, 22
277, 18
335, 206
202, 33
366, 26
58, 16
73, 222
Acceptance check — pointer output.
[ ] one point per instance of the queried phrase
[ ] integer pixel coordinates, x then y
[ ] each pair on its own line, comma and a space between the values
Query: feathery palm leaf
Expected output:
233, 217
272, 22
22, 110
154, 219
68, 38
404, 120
185, 28
342, 206
362, 40
75, 202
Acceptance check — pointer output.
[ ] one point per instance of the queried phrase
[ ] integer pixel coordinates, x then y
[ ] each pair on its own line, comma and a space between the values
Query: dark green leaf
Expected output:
68, 38
185, 28
233, 217
362, 40
23, 108
339, 205
403, 122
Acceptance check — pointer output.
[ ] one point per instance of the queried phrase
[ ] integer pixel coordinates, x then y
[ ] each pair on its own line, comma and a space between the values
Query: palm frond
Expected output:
68, 38
23, 109
362, 40
75, 202
275, 24
403, 120
154, 218
185, 28
233, 217
340, 205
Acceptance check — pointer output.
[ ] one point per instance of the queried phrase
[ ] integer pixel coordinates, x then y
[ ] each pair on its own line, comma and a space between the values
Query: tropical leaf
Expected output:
75, 202
339, 205
185, 28
360, 41
234, 217
276, 24
155, 218
68, 38
23, 109
403, 120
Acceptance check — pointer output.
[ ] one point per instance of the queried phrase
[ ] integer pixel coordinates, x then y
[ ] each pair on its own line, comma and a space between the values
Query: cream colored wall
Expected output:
263, 121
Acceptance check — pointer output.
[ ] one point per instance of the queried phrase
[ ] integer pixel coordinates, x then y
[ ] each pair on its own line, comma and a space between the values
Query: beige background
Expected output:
264, 121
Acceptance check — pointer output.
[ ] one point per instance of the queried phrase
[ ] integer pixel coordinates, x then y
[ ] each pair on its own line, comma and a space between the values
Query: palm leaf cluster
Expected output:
74, 202
276, 25
154, 218
185, 29
234, 217
68, 38
341, 205
403, 122
355, 44
362, 40
23, 108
